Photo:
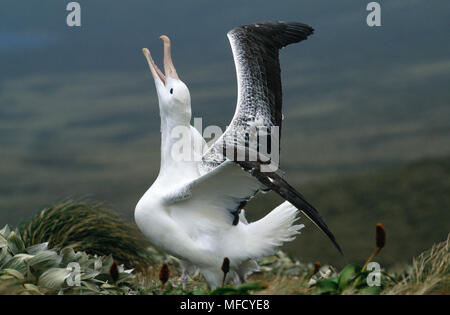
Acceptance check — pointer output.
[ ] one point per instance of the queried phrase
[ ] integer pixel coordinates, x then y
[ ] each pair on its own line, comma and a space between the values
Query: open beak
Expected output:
169, 68
157, 74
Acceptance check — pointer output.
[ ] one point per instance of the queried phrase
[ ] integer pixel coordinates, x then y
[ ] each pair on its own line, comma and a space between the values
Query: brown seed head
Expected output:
316, 267
380, 236
164, 273
226, 265
114, 272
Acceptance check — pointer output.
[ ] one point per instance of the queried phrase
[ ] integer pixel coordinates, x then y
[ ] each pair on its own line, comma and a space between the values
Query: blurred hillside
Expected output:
79, 115
411, 201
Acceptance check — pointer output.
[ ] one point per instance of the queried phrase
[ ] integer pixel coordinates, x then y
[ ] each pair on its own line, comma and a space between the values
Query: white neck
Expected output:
170, 164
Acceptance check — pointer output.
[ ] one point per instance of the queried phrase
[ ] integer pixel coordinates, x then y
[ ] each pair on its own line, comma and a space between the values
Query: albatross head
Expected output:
173, 94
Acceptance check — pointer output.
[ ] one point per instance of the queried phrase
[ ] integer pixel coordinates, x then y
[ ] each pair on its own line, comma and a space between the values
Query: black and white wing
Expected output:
255, 50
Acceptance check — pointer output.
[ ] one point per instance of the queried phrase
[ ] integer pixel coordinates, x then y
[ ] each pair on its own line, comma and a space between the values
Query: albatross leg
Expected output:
184, 278
186, 268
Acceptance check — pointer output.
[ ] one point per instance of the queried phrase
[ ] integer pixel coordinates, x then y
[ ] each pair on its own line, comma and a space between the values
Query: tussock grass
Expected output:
429, 273
39, 270
275, 284
92, 228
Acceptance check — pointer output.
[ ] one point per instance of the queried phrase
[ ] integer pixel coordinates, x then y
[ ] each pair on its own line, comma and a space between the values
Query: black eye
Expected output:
171, 91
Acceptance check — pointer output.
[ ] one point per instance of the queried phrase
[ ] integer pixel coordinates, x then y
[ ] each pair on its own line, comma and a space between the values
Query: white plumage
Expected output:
194, 209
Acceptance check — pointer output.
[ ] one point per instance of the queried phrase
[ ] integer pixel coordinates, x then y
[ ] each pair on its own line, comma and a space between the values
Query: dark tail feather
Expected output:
274, 182
290, 194
281, 187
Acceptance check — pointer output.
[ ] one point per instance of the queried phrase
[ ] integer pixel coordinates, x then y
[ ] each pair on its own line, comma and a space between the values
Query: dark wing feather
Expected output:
255, 51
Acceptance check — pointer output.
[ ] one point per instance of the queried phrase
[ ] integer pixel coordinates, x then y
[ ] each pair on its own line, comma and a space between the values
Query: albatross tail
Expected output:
270, 232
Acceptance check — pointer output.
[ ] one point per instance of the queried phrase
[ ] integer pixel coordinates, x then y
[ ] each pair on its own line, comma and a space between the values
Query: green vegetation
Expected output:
88, 227
353, 277
41, 268
36, 269
429, 273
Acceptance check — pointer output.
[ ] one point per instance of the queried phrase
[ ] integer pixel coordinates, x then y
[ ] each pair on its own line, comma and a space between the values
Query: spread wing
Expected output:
255, 50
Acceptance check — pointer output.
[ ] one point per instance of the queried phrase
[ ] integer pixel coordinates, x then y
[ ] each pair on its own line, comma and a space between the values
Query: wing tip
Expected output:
333, 240
276, 183
298, 26
315, 218
286, 32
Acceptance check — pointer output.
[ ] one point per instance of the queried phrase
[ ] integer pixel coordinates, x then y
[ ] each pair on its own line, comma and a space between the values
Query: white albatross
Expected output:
194, 209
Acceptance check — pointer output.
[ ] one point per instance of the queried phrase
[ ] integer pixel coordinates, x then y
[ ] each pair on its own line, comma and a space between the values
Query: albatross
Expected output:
194, 210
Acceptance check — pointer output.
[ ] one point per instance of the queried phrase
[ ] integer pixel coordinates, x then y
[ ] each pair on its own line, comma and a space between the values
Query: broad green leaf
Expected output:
125, 275
53, 278
252, 286
370, 290
44, 260
31, 277
32, 288
34, 249
268, 260
98, 264
4, 255
347, 275
69, 255
108, 286
102, 277
326, 286
18, 262
5, 231
360, 280
89, 274
6, 277
84, 260
15, 244
224, 291
89, 286
13, 272
107, 263
3, 242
